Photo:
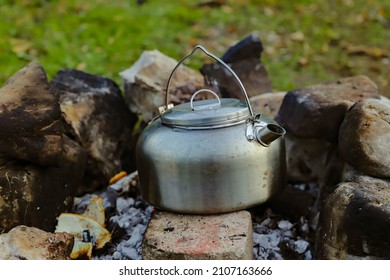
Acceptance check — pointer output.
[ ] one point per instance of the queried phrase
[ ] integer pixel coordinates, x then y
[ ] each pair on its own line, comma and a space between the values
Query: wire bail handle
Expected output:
230, 71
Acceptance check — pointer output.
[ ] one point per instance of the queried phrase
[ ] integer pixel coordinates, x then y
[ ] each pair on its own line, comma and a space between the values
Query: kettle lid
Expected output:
207, 114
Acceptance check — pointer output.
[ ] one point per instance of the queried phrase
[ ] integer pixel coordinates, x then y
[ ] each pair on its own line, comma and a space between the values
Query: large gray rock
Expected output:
317, 111
30, 118
29, 243
364, 137
34, 195
96, 116
145, 83
355, 221
244, 59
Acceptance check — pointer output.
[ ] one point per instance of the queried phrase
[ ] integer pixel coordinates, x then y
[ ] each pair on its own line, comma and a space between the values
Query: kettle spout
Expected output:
267, 134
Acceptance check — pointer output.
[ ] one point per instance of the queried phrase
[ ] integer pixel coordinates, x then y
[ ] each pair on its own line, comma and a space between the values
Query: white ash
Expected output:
284, 225
301, 246
277, 239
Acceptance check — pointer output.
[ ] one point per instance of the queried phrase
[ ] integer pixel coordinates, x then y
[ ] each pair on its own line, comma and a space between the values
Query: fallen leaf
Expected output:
297, 36
19, 46
303, 61
373, 52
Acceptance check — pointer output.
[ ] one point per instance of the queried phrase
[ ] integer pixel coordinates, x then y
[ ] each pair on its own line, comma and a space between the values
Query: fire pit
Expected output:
275, 236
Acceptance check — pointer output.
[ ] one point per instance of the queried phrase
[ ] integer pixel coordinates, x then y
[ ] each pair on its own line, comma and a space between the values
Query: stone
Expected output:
30, 243
355, 221
145, 83
335, 171
315, 162
35, 195
364, 137
212, 237
40, 168
267, 103
96, 116
384, 98
244, 60
249, 47
30, 118
306, 158
318, 111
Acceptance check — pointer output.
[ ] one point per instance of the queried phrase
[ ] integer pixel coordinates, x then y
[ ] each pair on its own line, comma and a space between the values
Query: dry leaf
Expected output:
297, 36
19, 46
373, 52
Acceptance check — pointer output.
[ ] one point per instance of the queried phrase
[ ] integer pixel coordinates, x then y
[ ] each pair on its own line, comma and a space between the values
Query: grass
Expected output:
306, 42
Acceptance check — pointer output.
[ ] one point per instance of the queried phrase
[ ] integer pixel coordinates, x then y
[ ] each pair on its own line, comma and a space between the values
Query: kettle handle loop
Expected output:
230, 71
208, 106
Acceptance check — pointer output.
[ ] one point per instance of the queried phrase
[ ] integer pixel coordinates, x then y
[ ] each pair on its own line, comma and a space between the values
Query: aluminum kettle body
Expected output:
208, 171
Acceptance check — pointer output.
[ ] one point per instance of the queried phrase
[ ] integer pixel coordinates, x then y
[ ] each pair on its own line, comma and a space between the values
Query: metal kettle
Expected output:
210, 156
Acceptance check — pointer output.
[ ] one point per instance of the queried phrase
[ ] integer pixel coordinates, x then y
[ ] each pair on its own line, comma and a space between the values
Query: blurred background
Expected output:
305, 42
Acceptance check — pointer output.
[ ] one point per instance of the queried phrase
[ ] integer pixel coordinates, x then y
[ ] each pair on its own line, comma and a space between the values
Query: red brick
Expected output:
198, 237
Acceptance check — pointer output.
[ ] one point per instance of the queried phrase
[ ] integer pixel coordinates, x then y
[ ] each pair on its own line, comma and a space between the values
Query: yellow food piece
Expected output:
117, 177
81, 250
75, 224
95, 210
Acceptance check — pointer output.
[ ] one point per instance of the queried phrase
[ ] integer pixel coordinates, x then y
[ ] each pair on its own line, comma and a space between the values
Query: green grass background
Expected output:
306, 42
